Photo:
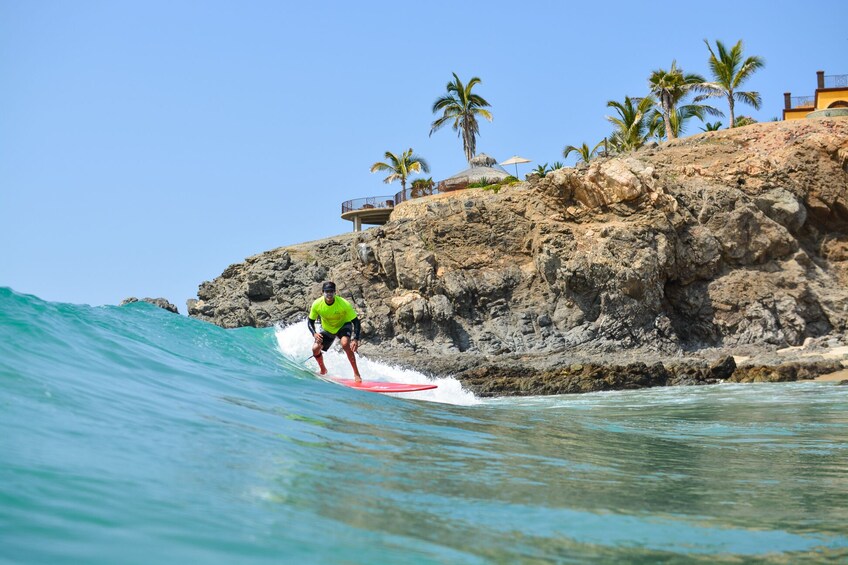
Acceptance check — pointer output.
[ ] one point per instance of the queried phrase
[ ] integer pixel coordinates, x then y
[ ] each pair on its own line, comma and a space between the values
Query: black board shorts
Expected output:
345, 331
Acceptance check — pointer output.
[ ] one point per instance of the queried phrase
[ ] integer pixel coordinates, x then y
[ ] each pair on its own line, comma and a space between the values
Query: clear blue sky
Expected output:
146, 146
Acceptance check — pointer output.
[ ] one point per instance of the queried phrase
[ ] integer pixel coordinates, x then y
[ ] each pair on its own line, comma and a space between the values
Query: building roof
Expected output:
482, 167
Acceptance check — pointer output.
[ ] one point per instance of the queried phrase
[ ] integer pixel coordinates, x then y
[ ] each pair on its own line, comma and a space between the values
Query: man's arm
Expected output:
311, 319
357, 328
354, 342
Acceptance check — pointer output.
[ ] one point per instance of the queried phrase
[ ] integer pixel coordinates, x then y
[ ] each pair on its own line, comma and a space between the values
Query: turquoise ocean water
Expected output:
131, 435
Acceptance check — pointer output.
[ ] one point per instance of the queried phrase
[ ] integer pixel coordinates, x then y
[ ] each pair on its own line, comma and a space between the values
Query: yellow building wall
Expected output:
828, 97
796, 113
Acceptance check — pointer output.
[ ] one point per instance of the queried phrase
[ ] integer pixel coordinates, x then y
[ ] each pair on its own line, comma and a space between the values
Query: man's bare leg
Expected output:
351, 357
319, 356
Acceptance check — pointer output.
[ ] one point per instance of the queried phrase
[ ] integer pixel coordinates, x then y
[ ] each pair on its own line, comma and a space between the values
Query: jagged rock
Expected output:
786, 372
723, 368
517, 380
710, 244
160, 302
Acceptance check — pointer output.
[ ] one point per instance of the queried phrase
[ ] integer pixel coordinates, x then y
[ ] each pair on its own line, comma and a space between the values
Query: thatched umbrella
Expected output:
482, 160
514, 160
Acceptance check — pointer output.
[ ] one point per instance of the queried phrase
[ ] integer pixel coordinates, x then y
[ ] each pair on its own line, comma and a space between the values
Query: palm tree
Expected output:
632, 126
678, 118
671, 87
399, 168
711, 126
729, 71
540, 170
422, 187
744, 121
584, 154
463, 107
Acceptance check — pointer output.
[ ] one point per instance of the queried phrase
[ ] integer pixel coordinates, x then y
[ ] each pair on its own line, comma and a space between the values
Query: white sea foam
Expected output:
293, 342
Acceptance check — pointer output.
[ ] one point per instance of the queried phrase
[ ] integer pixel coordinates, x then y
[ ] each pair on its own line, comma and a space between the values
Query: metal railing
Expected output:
402, 196
836, 81
803, 101
416, 192
368, 203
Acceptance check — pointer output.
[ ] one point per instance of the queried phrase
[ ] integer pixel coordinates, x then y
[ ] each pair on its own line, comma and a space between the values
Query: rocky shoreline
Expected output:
723, 256
824, 359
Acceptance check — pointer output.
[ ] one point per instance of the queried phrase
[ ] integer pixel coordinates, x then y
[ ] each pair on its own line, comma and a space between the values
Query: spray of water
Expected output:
294, 343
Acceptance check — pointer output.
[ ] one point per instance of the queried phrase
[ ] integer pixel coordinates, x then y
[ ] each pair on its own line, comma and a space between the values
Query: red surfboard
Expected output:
382, 386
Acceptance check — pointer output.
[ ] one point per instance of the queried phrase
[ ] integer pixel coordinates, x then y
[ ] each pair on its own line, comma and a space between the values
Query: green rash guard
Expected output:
333, 316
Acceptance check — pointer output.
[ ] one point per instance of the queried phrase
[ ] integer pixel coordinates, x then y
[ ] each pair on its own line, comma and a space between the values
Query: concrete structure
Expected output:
831, 95
373, 210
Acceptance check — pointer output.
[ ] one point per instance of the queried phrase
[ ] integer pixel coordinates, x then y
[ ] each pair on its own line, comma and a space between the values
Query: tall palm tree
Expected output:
462, 107
399, 168
670, 88
729, 71
584, 154
632, 125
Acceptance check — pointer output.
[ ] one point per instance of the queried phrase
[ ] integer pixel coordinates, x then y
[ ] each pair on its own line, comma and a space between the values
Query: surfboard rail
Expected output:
383, 386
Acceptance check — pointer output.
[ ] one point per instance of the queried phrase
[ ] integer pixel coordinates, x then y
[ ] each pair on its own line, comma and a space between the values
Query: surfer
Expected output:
338, 319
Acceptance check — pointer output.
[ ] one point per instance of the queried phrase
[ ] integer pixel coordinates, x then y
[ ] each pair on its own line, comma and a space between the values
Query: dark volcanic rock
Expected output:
787, 372
160, 302
495, 380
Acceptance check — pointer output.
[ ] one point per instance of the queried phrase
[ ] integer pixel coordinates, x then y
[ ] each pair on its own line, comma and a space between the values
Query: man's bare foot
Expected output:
357, 378
323, 371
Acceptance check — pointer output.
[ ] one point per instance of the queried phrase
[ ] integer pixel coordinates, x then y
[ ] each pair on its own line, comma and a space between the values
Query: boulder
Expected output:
160, 302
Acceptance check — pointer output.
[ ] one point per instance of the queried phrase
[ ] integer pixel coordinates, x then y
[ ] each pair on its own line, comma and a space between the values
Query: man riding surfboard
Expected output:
338, 319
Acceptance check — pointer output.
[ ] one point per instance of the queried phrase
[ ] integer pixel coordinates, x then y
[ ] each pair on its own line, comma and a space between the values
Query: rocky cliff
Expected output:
725, 242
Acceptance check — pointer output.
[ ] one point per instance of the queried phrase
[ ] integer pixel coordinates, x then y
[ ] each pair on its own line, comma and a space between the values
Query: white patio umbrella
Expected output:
514, 160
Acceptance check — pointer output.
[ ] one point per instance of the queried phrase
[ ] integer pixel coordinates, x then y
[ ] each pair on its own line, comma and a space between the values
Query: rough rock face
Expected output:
160, 302
729, 239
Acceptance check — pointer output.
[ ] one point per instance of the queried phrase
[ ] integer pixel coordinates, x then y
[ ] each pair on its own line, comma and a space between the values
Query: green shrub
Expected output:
494, 186
480, 183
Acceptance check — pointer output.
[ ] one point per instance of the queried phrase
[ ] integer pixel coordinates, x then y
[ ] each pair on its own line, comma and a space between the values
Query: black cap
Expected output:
328, 286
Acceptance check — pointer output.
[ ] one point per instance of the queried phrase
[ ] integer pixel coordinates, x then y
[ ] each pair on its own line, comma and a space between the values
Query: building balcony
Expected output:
372, 210
830, 99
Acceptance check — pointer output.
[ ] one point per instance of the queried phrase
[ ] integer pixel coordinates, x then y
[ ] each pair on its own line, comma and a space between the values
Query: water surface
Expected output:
131, 435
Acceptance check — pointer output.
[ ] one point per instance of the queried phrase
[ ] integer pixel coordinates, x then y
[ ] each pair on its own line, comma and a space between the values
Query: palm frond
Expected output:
443, 102
583, 152
747, 68
752, 98
438, 123
379, 167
